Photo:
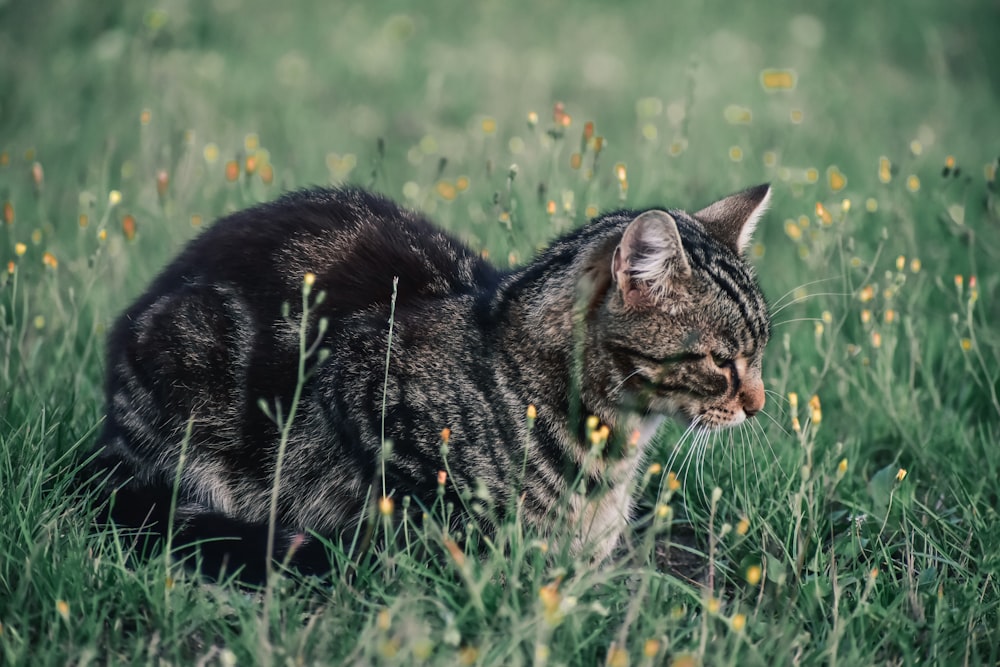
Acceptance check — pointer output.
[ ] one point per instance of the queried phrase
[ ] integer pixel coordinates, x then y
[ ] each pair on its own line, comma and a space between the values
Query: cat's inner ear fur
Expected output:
733, 219
649, 260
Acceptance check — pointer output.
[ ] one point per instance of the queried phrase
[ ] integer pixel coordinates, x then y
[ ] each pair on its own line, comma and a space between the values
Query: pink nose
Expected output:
753, 399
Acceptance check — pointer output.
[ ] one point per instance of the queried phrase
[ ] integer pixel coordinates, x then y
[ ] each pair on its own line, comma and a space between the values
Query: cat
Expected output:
635, 317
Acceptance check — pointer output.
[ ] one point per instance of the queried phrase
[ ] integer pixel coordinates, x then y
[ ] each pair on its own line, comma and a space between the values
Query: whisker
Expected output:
803, 286
797, 319
626, 379
805, 297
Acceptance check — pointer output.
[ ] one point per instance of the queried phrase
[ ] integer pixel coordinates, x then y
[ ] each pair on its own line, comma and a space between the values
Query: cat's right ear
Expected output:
649, 259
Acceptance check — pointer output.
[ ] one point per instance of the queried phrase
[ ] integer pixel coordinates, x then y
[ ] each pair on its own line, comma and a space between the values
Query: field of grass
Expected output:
855, 524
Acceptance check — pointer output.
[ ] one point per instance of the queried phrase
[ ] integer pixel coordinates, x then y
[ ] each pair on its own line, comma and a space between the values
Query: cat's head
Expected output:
685, 323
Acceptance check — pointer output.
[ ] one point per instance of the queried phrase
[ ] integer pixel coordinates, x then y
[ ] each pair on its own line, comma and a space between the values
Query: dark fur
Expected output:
472, 347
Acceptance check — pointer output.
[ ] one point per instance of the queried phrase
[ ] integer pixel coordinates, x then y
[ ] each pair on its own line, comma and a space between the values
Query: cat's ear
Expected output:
649, 259
733, 219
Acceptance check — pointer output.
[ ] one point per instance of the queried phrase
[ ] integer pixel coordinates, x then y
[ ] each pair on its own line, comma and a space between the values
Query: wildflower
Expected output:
250, 165
842, 467
793, 400
385, 506
550, 598
812, 175
959, 282
655, 469
8, 213
83, 221
912, 183
866, 316
128, 227
575, 161
973, 290
796, 116
468, 655
620, 172
442, 477
617, 657
309, 279
713, 604
901, 475
866, 294
102, 235
455, 552
871, 204
49, 260
114, 197
845, 205
778, 79
673, 484
743, 527
20, 249
874, 573
62, 607
532, 412
890, 316
916, 147
37, 174
823, 214
532, 119
735, 153
876, 339
739, 622
383, 620
836, 179
446, 190
11, 267
663, 511
884, 169
816, 412
267, 174
162, 182
684, 660
232, 170
550, 207
795, 424
792, 230
651, 648
753, 574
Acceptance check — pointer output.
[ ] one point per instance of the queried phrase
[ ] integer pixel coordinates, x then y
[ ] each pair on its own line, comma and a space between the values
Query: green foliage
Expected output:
124, 127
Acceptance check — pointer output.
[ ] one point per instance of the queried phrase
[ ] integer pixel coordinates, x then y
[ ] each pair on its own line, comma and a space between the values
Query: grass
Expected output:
866, 535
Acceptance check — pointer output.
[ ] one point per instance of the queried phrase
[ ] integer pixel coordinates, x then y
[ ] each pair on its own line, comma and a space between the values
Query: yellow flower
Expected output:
753, 574
739, 622
532, 412
309, 279
655, 469
651, 648
793, 400
673, 484
713, 605
617, 657
901, 475
114, 197
743, 526
966, 344
842, 467
384, 620
62, 607
866, 294
49, 260
385, 506
20, 249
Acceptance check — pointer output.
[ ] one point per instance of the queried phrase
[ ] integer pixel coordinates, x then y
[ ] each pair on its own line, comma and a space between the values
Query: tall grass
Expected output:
853, 523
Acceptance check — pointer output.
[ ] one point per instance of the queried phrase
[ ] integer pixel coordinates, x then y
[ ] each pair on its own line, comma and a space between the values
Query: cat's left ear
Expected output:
733, 219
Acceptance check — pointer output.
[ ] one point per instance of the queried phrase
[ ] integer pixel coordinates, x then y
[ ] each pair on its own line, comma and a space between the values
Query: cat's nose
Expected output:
753, 399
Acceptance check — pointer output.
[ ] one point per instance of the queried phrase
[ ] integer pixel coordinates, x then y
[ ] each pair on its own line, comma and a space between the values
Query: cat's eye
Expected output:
721, 360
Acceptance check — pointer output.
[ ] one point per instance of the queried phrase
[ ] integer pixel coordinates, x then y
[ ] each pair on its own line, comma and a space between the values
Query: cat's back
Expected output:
354, 242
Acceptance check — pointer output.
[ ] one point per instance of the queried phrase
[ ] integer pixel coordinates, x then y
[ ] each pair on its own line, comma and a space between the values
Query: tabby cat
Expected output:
635, 317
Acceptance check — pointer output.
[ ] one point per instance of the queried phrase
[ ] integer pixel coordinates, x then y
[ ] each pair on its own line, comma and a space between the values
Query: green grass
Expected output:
416, 99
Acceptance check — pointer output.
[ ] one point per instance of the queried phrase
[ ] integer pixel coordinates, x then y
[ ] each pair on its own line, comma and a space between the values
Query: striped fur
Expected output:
658, 311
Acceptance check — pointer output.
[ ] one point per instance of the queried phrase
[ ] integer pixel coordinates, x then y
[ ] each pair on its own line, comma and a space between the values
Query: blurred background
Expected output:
125, 127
